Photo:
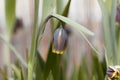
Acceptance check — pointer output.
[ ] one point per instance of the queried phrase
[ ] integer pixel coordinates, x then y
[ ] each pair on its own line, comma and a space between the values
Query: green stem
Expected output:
112, 21
33, 43
108, 18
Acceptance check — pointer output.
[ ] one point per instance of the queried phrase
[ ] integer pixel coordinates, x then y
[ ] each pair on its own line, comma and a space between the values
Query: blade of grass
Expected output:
33, 43
99, 68
77, 26
39, 67
10, 19
50, 77
48, 6
59, 6
108, 17
118, 43
112, 22
52, 64
10, 15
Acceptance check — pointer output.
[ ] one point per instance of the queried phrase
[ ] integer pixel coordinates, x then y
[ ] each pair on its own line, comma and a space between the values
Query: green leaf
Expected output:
108, 17
118, 42
99, 68
39, 67
50, 77
33, 43
60, 5
77, 26
113, 33
10, 6
106, 4
52, 64
48, 6
10, 20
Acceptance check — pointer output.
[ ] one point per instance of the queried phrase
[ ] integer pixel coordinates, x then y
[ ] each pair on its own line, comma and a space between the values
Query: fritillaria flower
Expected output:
113, 72
59, 40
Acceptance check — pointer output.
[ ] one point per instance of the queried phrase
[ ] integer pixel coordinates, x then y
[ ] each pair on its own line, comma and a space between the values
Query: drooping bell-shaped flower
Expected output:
59, 40
113, 72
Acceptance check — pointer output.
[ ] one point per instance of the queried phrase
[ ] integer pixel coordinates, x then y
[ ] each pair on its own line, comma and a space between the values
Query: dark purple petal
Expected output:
59, 40
110, 72
118, 15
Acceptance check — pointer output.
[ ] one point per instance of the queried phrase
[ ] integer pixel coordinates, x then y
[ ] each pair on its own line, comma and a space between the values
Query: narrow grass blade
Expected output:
48, 6
10, 6
73, 24
109, 29
52, 64
113, 33
33, 43
50, 77
39, 67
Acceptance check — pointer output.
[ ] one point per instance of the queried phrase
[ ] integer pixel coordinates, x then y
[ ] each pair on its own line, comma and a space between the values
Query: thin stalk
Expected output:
112, 22
108, 17
107, 37
59, 6
33, 43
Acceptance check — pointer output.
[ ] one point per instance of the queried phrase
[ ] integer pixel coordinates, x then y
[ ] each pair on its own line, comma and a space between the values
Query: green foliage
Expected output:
39, 67
48, 7
53, 64
75, 25
33, 43
10, 15
109, 28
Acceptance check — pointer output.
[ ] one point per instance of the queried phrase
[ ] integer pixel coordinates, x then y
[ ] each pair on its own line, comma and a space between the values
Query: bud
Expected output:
113, 72
59, 40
